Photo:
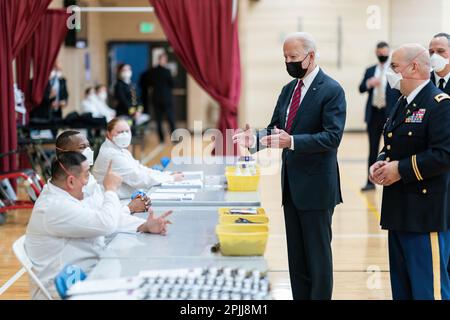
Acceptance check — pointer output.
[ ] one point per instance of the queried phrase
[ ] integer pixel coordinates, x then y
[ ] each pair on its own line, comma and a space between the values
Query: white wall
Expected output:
267, 21
416, 20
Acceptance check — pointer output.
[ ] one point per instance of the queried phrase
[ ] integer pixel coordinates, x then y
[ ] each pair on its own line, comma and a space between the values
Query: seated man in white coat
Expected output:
63, 230
74, 141
134, 174
101, 98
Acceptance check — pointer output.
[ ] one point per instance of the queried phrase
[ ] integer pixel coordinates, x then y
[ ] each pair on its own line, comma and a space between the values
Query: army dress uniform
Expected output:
416, 209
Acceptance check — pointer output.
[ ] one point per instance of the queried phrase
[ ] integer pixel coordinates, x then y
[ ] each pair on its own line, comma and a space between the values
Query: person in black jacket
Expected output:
414, 169
161, 81
381, 99
55, 97
124, 92
440, 61
308, 124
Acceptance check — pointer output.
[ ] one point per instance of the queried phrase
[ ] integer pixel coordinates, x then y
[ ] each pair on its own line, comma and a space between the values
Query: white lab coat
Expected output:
63, 230
94, 195
104, 109
88, 106
135, 176
97, 108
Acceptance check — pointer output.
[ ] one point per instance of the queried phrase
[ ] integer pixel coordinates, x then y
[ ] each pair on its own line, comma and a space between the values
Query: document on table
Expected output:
197, 184
190, 175
215, 181
193, 175
172, 196
106, 285
174, 190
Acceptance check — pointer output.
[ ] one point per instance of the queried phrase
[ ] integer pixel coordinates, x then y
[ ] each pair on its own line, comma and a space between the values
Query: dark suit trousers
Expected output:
309, 251
375, 130
162, 108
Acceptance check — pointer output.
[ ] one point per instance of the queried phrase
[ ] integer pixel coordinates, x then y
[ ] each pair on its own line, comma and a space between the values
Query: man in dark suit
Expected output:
381, 100
55, 97
414, 169
160, 80
308, 124
440, 54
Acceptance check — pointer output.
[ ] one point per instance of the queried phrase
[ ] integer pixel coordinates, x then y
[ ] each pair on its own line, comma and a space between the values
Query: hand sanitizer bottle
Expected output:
238, 171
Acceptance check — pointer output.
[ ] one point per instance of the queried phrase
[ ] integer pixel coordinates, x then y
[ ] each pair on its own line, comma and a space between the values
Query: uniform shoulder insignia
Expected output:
441, 97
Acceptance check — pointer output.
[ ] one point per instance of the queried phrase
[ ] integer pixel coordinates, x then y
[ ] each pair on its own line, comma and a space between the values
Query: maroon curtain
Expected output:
23, 69
26, 15
204, 36
18, 20
41, 53
8, 139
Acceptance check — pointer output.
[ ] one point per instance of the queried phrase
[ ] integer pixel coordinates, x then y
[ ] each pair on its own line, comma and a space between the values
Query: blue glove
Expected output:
137, 194
158, 167
165, 161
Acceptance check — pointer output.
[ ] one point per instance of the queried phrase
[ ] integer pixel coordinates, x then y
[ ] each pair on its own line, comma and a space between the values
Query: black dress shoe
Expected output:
368, 187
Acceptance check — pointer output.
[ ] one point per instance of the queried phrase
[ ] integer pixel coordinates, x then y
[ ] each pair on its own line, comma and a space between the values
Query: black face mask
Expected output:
296, 70
383, 59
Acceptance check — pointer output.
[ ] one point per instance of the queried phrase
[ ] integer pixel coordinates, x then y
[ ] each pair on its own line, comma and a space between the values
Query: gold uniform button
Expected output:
410, 134
389, 147
390, 135
388, 159
424, 191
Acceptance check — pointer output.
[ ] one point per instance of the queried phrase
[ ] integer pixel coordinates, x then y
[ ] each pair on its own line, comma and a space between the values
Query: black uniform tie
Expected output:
402, 104
441, 84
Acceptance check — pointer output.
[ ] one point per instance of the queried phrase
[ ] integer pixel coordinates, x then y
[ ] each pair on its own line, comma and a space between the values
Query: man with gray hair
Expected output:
308, 124
414, 169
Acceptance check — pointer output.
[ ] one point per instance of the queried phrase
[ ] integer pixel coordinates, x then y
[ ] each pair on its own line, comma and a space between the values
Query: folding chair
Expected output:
21, 254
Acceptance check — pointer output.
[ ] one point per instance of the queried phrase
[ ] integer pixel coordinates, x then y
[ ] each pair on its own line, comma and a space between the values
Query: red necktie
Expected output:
295, 105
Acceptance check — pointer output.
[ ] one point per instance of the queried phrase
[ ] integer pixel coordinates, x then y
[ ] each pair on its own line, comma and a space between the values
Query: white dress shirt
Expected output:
56, 87
135, 176
307, 81
438, 78
64, 230
415, 92
381, 75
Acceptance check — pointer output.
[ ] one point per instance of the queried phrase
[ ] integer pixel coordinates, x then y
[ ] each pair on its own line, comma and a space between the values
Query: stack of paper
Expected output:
172, 196
107, 285
193, 175
197, 184
160, 190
